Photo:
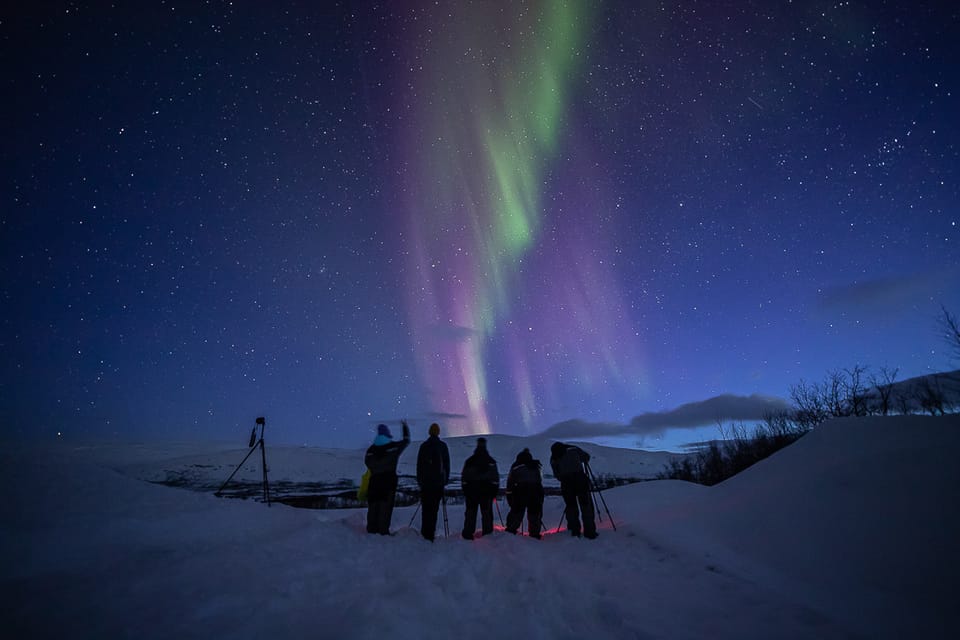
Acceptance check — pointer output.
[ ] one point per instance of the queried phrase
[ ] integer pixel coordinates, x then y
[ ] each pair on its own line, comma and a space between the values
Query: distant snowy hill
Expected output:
915, 394
304, 472
851, 532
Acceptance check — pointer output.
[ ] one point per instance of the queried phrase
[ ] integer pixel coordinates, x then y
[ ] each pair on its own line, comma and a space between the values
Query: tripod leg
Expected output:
446, 524
500, 515
596, 505
227, 481
592, 487
605, 508
266, 484
414, 516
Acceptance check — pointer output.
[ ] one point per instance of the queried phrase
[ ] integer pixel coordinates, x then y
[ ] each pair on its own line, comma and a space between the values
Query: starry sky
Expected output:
498, 216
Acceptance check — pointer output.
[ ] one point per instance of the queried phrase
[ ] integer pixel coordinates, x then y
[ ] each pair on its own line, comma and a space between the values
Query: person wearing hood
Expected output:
525, 493
567, 462
433, 474
480, 480
381, 459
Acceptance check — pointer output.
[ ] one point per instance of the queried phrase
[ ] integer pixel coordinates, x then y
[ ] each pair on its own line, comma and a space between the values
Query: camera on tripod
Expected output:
254, 442
261, 422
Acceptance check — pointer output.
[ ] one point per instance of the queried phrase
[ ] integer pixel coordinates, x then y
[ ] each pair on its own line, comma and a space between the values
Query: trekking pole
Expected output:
600, 493
414, 516
500, 515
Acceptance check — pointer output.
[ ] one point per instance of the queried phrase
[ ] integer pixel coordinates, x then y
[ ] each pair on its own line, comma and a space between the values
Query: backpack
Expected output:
378, 459
431, 470
569, 464
364, 486
524, 475
479, 471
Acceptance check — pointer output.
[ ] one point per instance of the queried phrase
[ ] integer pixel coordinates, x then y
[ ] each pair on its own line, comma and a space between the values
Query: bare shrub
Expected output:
719, 460
884, 385
950, 329
930, 397
842, 393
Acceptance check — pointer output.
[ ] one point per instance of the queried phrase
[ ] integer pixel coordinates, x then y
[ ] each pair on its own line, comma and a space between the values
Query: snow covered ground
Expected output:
849, 533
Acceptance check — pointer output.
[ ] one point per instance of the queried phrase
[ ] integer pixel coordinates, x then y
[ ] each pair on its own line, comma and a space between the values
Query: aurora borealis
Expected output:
485, 153
496, 215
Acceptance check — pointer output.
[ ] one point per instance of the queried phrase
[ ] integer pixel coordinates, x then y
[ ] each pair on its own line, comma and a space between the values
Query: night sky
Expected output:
494, 215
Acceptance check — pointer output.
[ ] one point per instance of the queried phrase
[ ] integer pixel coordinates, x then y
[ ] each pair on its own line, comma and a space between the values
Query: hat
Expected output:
525, 456
557, 448
481, 443
434, 429
383, 430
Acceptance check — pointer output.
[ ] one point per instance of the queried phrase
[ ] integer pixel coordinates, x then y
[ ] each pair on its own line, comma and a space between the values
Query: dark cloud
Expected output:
893, 293
721, 408
582, 428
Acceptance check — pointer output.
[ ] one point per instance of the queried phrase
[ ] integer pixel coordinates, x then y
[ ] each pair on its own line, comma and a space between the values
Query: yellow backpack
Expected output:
364, 485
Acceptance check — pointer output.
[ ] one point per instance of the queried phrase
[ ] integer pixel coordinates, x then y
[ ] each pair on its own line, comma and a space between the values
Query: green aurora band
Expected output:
489, 109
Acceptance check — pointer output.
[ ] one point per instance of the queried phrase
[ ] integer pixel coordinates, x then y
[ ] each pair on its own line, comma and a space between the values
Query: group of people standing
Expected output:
480, 480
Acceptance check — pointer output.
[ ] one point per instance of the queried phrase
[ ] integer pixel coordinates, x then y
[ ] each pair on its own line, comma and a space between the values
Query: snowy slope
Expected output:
860, 513
844, 534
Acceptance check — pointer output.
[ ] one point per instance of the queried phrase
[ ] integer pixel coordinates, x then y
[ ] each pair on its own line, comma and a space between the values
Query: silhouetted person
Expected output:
525, 493
381, 459
480, 480
567, 463
433, 474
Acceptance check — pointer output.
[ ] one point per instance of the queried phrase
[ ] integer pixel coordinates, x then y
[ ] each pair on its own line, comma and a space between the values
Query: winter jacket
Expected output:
480, 476
525, 478
382, 456
567, 461
524, 475
433, 465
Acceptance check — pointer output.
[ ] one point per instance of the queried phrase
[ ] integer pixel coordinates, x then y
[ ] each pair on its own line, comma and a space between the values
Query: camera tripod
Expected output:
595, 491
254, 443
443, 504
